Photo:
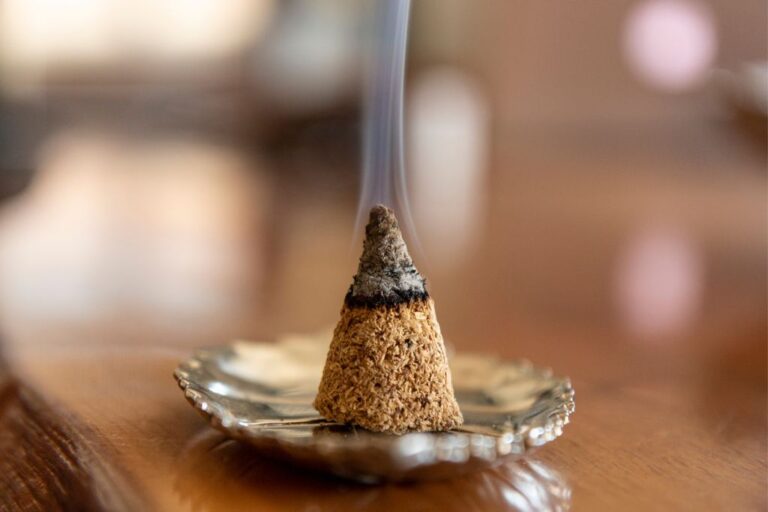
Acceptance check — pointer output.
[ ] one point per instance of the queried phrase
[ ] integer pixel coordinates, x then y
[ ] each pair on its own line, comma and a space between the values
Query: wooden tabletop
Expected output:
107, 429
91, 419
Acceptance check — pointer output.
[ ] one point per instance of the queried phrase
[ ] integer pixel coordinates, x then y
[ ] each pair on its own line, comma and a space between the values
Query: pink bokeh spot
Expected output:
670, 44
659, 283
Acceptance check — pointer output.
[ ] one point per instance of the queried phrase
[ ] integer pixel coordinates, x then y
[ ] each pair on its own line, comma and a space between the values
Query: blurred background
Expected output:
587, 178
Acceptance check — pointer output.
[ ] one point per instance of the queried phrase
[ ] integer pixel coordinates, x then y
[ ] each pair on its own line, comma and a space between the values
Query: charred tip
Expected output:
381, 216
386, 273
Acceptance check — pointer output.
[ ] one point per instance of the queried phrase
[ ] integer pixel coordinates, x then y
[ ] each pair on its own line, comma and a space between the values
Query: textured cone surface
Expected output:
387, 369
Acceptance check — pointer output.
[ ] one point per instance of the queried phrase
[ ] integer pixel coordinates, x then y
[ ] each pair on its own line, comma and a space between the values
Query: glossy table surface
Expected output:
111, 428
91, 419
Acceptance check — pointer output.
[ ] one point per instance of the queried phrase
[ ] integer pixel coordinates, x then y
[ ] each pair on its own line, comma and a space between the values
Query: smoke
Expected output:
383, 174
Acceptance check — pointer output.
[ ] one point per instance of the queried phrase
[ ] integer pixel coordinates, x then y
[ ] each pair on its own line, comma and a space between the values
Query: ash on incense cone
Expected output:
386, 368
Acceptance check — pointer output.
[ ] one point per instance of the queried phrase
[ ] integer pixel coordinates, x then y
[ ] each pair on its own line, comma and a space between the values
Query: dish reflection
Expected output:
216, 473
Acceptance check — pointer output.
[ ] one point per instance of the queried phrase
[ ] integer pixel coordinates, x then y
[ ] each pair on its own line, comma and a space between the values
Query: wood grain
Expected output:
48, 462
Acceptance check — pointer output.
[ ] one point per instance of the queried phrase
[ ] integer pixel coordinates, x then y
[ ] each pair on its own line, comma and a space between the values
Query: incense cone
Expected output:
386, 368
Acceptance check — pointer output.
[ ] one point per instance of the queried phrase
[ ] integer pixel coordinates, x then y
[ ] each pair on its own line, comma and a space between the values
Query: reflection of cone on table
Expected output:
386, 368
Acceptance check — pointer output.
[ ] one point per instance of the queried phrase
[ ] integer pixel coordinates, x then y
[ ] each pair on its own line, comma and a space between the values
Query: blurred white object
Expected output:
670, 44
37, 36
179, 29
54, 239
448, 146
164, 230
659, 282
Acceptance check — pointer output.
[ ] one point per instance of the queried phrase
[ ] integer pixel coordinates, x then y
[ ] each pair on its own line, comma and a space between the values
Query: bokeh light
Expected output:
670, 44
659, 282
448, 152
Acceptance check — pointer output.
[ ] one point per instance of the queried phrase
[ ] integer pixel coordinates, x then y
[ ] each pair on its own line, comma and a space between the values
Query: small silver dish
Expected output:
262, 393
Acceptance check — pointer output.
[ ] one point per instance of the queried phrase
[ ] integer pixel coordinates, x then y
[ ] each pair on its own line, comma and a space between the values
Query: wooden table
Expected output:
110, 431
90, 418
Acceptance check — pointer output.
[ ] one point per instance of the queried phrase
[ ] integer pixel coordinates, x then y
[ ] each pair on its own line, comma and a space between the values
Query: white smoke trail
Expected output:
383, 179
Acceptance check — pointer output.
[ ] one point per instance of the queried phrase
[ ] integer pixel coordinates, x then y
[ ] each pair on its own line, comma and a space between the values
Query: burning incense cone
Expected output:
386, 368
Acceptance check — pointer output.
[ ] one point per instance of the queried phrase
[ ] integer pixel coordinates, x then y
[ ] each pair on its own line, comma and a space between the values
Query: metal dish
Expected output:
262, 393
